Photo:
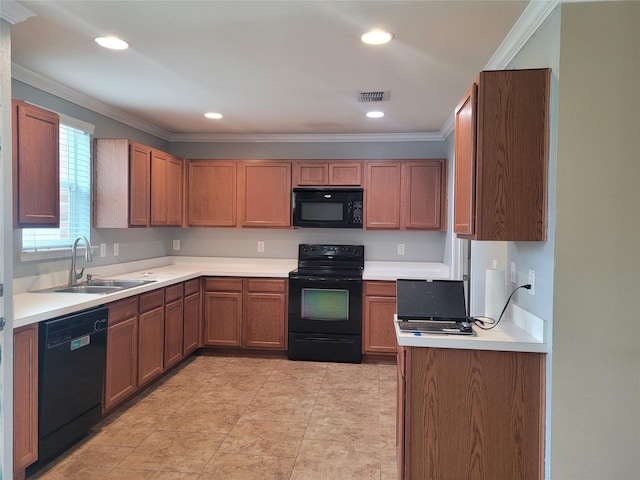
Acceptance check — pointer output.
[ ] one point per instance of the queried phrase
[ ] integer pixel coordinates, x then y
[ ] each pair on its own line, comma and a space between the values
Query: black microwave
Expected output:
327, 207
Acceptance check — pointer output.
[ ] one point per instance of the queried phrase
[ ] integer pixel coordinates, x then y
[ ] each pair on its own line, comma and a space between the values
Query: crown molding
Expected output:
308, 138
532, 17
54, 88
13, 12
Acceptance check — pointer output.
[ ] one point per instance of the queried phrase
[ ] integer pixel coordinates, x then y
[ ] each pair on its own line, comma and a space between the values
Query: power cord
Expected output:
480, 321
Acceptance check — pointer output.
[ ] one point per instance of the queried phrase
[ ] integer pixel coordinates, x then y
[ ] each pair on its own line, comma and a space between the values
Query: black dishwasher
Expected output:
72, 351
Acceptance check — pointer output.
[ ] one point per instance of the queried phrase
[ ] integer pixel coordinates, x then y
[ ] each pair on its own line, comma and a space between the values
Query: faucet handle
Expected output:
79, 275
90, 276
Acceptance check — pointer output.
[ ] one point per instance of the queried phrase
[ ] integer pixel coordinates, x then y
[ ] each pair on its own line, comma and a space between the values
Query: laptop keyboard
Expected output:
426, 326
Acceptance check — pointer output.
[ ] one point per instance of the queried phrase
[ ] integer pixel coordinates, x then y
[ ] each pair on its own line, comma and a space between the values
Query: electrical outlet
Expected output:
532, 282
401, 249
260, 246
116, 249
176, 244
103, 250
494, 264
513, 272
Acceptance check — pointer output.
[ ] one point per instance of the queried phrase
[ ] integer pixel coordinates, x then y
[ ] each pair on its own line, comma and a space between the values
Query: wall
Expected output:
596, 345
138, 244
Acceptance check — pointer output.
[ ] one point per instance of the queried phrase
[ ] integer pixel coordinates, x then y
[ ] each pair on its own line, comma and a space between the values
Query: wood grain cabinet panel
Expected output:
265, 313
150, 336
25, 398
192, 324
501, 157
121, 369
211, 194
265, 193
379, 335
486, 405
327, 173
382, 195
139, 183
166, 189
223, 312
36, 180
173, 325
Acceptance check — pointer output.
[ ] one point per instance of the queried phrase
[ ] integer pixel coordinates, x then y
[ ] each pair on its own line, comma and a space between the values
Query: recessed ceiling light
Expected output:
214, 115
113, 43
376, 37
375, 114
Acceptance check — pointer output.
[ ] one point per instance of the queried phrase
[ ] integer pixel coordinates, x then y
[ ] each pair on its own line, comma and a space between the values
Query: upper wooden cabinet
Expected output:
135, 185
36, 180
405, 194
501, 157
264, 193
211, 194
166, 189
333, 173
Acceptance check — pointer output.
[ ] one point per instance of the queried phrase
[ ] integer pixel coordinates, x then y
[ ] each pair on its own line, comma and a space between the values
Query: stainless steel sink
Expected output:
102, 286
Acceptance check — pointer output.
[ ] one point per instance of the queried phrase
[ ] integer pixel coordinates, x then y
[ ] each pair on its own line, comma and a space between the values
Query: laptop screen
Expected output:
431, 300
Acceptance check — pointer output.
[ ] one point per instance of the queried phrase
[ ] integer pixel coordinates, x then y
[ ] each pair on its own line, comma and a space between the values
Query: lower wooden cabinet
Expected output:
247, 312
25, 398
151, 336
173, 324
191, 337
486, 406
378, 332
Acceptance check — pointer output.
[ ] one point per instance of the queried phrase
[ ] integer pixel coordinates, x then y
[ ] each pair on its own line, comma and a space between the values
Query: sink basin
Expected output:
102, 286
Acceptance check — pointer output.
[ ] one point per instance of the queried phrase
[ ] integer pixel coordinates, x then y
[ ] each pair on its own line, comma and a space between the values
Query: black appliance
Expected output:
326, 207
325, 304
71, 363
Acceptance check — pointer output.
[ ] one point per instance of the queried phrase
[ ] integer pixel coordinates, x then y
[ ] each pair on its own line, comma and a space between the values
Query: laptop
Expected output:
432, 306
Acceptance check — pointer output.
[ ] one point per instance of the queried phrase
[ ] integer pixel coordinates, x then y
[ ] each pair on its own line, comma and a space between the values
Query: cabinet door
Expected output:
465, 163
174, 192
379, 335
382, 195
122, 362
265, 314
223, 318
311, 173
139, 185
25, 397
173, 332
159, 192
150, 345
423, 195
265, 194
36, 179
191, 332
211, 196
345, 173
401, 400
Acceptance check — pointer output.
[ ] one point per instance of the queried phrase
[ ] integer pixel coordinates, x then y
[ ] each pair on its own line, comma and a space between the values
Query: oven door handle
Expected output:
326, 340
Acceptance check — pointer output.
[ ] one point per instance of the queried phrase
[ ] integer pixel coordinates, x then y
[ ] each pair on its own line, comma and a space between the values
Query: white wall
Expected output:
596, 341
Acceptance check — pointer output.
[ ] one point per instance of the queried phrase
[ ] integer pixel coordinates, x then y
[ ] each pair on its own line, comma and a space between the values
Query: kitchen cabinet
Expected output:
264, 193
25, 398
223, 311
135, 185
379, 335
173, 324
121, 371
487, 406
247, 312
150, 336
36, 164
212, 193
166, 189
265, 313
191, 338
331, 173
405, 195
501, 157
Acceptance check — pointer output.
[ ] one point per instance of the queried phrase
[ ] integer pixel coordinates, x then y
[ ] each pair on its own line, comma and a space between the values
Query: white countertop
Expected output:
30, 307
505, 337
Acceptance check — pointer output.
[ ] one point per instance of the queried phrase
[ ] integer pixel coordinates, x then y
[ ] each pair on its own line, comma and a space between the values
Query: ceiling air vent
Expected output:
379, 96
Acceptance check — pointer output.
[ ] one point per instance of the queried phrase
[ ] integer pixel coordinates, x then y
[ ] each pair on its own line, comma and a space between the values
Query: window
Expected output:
75, 193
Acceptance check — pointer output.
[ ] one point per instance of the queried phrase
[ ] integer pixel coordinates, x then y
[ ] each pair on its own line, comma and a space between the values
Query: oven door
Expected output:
325, 305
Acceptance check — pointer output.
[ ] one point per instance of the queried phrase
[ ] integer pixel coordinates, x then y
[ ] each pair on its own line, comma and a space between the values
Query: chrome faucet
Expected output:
73, 275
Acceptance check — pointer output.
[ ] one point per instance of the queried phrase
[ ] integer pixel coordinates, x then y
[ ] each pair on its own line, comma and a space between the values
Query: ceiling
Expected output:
270, 67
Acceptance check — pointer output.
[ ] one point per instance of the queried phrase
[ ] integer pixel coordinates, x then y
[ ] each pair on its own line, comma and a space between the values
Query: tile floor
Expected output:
228, 418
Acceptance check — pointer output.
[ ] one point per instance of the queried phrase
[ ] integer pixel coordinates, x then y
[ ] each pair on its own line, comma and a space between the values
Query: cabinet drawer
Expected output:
191, 287
380, 289
151, 300
223, 284
123, 310
173, 292
270, 285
